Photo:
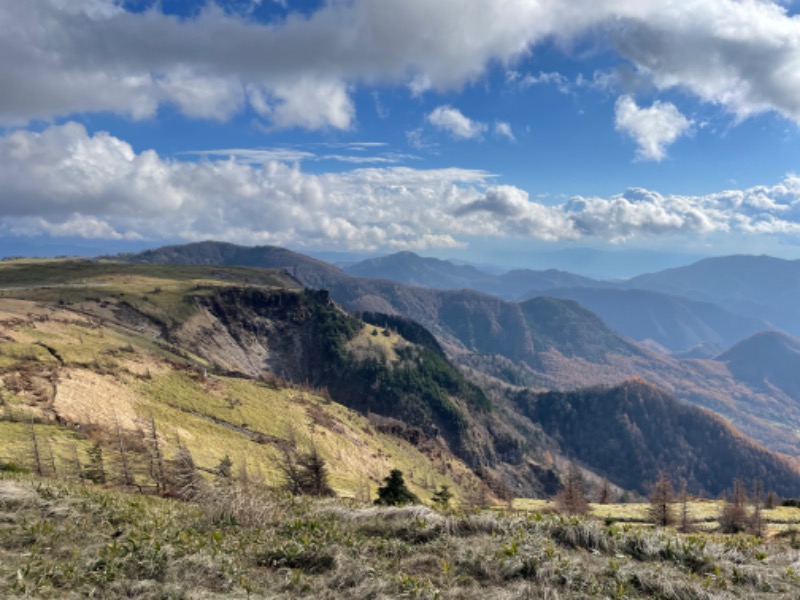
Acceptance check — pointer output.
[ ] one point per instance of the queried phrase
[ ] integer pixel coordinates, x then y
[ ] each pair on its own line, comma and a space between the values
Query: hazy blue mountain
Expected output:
608, 264
520, 283
768, 361
677, 324
411, 269
761, 287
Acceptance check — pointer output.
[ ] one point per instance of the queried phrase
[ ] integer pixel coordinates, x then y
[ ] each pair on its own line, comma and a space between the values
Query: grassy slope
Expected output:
61, 357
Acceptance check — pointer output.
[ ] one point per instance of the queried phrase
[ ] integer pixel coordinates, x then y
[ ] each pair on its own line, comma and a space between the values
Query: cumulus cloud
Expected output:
503, 130
653, 128
65, 182
307, 103
453, 121
61, 58
742, 55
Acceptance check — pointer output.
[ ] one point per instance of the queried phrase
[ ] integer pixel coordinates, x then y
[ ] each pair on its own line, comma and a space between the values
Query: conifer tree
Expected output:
394, 491
314, 474
757, 527
125, 468
305, 472
686, 524
95, 471
223, 473
186, 482
772, 500
36, 451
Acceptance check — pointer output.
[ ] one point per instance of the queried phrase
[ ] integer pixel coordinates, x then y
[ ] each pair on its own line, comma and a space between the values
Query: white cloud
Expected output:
742, 55
64, 181
257, 156
307, 103
216, 98
653, 128
561, 83
453, 121
503, 130
61, 58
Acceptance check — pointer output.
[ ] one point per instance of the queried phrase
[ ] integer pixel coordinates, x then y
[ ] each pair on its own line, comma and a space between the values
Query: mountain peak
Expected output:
768, 361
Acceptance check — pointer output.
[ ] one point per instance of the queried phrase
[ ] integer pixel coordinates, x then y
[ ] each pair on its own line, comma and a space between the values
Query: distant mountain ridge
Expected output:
768, 361
674, 323
761, 287
666, 322
411, 269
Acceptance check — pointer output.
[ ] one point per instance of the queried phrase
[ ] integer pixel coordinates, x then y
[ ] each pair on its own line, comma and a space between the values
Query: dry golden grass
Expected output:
376, 342
113, 376
245, 542
83, 396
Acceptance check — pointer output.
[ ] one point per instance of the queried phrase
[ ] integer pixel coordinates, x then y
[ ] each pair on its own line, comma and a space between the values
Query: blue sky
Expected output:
473, 129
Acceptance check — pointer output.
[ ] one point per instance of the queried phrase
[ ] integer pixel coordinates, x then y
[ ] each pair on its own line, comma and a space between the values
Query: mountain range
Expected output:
543, 342
246, 360
705, 307
760, 287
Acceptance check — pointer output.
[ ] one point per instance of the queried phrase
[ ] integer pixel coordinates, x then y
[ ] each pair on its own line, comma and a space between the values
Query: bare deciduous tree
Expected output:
686, 524
660, 511
572, 498
733, 517
604, 496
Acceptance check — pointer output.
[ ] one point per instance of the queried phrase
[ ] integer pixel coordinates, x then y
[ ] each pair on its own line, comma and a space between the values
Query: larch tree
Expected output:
572, 497
660, 511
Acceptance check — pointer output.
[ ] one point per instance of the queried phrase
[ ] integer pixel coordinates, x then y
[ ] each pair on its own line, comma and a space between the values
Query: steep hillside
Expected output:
672, 322
630, 432
305, 337
100, 347
72, 379
768, 361
760, 287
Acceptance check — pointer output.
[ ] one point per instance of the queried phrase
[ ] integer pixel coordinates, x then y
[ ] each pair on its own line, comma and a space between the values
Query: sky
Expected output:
482, 130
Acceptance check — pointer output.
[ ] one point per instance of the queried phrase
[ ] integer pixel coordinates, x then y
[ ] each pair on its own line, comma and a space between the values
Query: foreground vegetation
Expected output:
60, 540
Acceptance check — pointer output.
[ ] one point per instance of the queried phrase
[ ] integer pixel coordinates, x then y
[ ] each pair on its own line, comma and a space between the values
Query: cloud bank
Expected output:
62, 58
65, 182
